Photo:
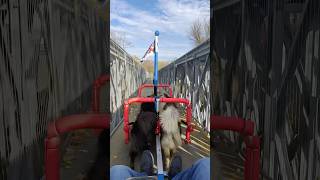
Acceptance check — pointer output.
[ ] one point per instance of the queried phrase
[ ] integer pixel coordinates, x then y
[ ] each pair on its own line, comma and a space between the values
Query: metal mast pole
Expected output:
155, 73
155, 83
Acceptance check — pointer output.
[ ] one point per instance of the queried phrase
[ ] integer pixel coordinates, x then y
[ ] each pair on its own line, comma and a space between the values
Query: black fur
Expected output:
100, 170
143, 131
148, 107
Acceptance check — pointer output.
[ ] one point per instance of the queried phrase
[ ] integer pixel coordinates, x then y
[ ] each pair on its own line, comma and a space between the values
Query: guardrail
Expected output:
189, 77
126, 76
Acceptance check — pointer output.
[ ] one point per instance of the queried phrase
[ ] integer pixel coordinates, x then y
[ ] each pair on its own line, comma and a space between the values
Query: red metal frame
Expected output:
63, 125
98, 83
246, 128
152, 86
167, 100
95, 120
96, 93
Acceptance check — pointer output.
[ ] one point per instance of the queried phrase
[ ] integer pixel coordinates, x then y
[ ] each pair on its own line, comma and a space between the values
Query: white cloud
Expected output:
174, 22
179, 14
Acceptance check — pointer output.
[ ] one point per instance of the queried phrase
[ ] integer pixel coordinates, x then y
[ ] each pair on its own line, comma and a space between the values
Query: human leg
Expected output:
121, 172
200, 170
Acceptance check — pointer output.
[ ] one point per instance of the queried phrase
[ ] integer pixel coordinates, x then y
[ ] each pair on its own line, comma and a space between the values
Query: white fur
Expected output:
169, 120
171, 138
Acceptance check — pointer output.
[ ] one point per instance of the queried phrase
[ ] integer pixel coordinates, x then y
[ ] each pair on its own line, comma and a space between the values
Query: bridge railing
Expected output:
51, 52
266, 68
126, 76
189, 78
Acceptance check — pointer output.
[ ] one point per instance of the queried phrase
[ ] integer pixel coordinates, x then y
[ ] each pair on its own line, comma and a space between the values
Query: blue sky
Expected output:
138, 19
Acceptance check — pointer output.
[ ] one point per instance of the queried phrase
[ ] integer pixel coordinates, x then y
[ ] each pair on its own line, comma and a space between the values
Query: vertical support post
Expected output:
96, 92
96, 102
52, 159
126, 121
97, 84
189, 126
252, 161
139, 92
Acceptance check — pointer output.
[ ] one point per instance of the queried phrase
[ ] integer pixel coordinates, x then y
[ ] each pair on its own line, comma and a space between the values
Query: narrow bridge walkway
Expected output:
81, 149
79, 155
199, 147
189, 77
230, 163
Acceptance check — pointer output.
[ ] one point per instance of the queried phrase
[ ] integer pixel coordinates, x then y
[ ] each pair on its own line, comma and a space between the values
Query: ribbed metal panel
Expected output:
126, 76
189, 76
50, 53
266, 68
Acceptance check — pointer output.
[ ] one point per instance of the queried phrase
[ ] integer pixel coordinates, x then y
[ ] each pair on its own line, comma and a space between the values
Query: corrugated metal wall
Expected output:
266, 67
50, 53
126, 76
190, 78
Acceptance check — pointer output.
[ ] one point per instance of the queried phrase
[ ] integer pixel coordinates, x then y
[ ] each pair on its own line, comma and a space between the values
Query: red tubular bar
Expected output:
252, 161
98, 83
252, 152
152, 85
232, 123
189, 126
168, 100
67, 124
126, 122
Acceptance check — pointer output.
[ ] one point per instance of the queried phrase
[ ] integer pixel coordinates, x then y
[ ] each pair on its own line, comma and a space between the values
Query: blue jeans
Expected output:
200, 170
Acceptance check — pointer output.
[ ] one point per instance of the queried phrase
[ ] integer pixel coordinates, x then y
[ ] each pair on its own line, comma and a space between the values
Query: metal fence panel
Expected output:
266, 58
126, 76
189, 77
50, 52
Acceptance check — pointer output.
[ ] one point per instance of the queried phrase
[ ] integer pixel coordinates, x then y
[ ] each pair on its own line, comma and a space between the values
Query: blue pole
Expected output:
155, 73
155, 83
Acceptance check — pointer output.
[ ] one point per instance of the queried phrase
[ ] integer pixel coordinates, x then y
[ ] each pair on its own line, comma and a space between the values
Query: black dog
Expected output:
100, 170
143, 131
148, 107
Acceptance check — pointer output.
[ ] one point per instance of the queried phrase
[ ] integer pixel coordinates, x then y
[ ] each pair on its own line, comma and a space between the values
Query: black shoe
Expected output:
175, 166
146, 162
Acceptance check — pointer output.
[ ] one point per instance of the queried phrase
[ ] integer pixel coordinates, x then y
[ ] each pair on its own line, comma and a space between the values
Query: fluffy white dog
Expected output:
170, 130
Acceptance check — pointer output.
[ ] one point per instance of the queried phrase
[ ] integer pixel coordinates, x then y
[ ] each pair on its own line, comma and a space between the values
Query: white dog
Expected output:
170, 130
